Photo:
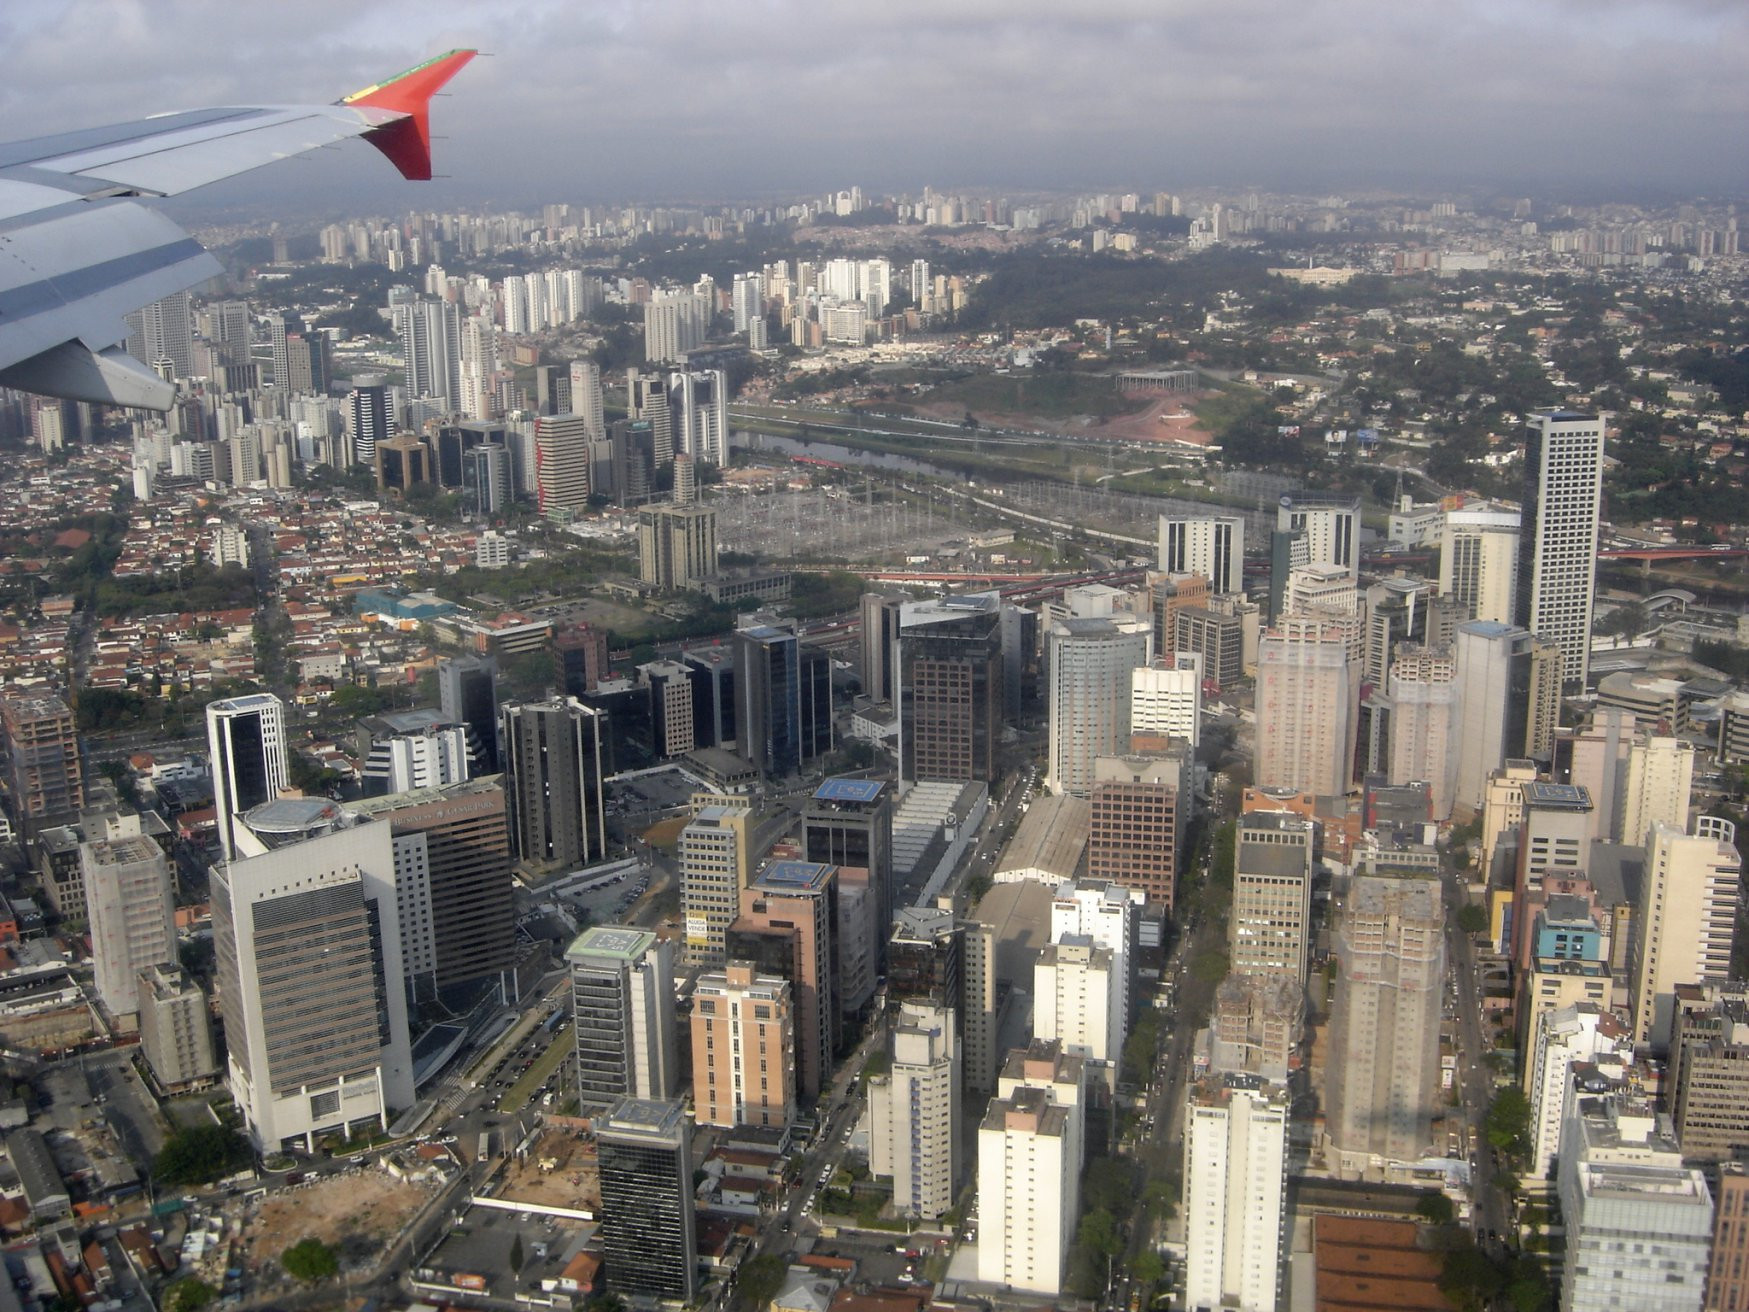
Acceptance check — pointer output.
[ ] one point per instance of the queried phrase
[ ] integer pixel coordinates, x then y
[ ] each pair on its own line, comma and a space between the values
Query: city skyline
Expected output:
1633, 98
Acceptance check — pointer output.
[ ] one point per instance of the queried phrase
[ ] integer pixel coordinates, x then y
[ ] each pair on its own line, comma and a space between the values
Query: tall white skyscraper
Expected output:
622, 1003
586, 399
1684, 922
246, 745
1235, 1179
1492, 676
746, 302
431, 348
1091, 664
1077, 1001
698, 408
914, 1110
308, 942
1328, 525
1557, 553
1478, 562
1210, 545
1029, 1169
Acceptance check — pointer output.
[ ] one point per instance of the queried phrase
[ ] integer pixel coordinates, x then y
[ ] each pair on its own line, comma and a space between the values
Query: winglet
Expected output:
407, 141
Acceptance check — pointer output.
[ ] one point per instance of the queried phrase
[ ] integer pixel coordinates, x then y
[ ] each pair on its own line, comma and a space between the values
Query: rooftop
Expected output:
619, 942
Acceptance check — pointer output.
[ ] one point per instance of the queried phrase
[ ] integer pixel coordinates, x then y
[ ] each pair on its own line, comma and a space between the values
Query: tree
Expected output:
1435, 1208
1508, 1123
516, 1254
199, 1155
759, 1280
1472, 919
310, 1260
1148, 1269
190, 1295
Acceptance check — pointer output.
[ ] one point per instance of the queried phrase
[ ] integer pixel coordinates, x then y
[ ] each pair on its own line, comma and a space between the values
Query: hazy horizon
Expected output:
609, 102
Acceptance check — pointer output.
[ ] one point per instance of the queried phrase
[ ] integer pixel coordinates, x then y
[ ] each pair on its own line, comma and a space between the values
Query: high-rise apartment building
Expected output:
586, 396
431, 349
164, 331
553, 779
308, 948
1029, 1169
1307, 693
648, 1239
1557, 550
43, 769
1141, 808
1684, 922
949, 688
715, 863
368, 417
1210, 545
1270, 920
1077, 1001
1478, 562
1091, 662
1492, 674
246, 745
131, 915
1235, 1187
1423, 723
914, 1110
622, 1006
1384, 1033
1580, 1032
1106, 914
743, 1048
1660, 779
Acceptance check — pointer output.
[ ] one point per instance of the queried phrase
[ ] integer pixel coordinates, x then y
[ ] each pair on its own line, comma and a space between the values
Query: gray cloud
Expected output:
612, 99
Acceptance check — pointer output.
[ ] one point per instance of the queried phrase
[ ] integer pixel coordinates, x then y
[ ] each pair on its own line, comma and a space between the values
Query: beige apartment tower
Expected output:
743, 1048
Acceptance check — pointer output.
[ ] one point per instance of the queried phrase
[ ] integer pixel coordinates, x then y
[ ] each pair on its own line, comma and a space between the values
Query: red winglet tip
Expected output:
407, 141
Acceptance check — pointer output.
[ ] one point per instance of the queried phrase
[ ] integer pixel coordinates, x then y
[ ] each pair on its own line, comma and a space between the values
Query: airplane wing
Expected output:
79, 251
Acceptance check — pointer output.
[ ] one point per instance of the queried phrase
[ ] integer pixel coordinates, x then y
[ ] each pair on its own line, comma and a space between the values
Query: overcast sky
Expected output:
596, 100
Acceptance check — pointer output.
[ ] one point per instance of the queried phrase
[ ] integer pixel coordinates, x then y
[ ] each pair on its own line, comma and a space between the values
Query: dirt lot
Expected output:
356, 1214
1168, 419
571, 1181
667, 833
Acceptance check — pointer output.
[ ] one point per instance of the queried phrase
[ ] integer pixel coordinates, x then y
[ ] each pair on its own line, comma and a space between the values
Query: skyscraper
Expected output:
561, 454
743, 1048
1235, 1184
1271, 921
949, 687
246, 744
1493, 678
914, 1110
1660, 781
1307, 690
880, 634
1684, 922
783, 698
788, 926
43, 768
553, 778
677, 546
1326, 526
308, 945
431, 348
1424, 728
1478, 562
1078, 1002
715, 863
698, 407
849, 823
647, 1227
131, 915
1384, 1031
1136, 830
1029, 1169
622, 1003
1210, 545
467, 693
368, 420
164, 330
586, 398
1092, 662
1557, 550
1166, 697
